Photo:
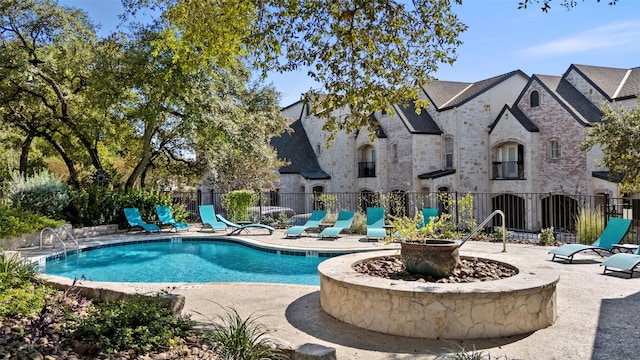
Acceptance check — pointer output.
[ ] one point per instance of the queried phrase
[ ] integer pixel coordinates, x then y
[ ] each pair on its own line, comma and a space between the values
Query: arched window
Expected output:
394, 150
534, 99
367, 161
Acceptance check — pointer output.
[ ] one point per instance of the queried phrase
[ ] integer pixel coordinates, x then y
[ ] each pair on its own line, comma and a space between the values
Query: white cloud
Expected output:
603, 37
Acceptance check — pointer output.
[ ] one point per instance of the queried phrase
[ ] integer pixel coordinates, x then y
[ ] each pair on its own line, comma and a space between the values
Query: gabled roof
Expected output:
295, 148
583, 110
447, 95
519, 116
380, 134
612, 83
416, 124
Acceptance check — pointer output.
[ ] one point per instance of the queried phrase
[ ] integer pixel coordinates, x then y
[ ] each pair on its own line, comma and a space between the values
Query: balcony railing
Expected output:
366, 169
507, 170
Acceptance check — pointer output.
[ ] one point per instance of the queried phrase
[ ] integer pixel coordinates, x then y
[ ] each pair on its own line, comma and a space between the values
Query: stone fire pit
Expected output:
516, 305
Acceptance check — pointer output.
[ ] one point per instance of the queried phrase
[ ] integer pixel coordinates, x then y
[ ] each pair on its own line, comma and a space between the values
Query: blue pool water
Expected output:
186, 261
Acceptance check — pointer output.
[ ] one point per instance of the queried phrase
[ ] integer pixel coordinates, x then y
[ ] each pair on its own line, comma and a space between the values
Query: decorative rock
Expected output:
314, 352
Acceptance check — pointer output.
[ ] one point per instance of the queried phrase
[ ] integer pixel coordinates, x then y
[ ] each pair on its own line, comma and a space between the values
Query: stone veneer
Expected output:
517, 305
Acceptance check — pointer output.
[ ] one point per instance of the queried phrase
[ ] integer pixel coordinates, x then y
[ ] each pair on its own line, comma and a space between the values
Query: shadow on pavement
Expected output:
306, 315
618, 332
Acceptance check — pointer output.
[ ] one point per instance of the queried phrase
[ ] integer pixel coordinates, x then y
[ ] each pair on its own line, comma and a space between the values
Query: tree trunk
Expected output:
24, 155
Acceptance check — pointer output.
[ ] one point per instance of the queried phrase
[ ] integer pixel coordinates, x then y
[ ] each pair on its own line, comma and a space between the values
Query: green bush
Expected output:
15, 222
96, 205
41, 193
236, 204
139, 324
589, 225
20, 291
25, 300
16, 272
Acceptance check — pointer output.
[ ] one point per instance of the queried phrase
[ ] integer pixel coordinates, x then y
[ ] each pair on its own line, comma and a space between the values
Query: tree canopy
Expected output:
619, 137
120, 108
546, 4
365, 54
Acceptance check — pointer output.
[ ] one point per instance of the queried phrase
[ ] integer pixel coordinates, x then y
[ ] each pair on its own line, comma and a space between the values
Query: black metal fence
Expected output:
525, 213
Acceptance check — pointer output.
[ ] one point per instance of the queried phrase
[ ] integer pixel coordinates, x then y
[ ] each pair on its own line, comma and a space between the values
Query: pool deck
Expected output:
598, 315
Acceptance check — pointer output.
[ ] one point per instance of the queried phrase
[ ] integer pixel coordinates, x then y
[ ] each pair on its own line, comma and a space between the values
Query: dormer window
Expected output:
534, 99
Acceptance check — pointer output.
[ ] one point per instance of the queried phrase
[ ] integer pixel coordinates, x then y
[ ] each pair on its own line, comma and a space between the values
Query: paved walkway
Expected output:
598, 315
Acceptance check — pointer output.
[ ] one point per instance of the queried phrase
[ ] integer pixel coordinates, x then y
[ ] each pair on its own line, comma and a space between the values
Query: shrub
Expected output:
237, 338
236, 204
16, 272
139, 324
26, 299
546, 236
15, 222
589, 225
20, 292
96, 205
41, 193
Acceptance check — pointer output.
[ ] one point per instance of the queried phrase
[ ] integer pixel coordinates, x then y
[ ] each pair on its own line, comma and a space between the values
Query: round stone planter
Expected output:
437, 258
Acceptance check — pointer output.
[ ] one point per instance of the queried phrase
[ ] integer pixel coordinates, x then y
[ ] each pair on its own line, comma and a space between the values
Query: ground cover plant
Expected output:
47, 322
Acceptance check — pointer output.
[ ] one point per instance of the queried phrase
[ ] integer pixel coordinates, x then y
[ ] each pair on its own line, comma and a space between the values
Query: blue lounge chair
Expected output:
135, 221
343, 222
166, 219
209, 219
375, 223
237, 228
613, 233
624, 262
313, 223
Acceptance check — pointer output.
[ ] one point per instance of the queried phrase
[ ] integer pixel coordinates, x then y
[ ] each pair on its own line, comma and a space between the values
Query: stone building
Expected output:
510, 136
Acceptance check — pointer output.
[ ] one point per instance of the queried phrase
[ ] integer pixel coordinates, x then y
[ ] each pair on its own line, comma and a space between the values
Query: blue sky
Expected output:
500, 39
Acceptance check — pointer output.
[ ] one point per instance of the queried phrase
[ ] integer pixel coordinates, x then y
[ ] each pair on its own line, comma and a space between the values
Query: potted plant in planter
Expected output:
427, 247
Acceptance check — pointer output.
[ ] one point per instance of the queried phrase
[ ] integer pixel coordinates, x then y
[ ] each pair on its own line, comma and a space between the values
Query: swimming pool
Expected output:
186, 261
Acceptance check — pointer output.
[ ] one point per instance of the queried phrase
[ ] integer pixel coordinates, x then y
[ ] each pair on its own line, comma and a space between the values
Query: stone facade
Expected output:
480, 118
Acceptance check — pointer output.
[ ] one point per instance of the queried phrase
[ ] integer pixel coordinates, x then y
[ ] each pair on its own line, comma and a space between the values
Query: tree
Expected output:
47, 53
366, 55
120, 106
619, 137
546, 4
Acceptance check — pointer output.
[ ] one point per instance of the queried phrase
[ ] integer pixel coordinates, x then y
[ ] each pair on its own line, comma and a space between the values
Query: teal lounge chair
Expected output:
624, 262
375, 223
237, 228
313, 223
135, 221
209, 219
427, 214
343, 222
613, 233
166, 219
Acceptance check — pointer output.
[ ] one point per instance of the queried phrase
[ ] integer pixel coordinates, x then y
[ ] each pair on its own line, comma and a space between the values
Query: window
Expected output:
448, 152
367, 162
394, 150
509, 161
534, 99
554, 149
